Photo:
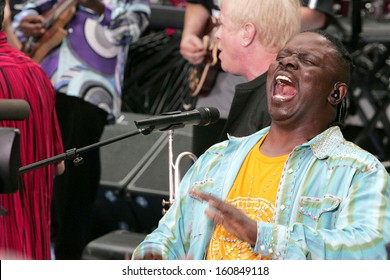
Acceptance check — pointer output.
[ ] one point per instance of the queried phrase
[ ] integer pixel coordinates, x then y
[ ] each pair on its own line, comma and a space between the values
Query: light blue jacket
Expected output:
333, 203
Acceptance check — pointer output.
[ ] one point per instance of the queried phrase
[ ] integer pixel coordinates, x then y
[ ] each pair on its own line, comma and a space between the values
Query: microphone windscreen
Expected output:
208, 115
14, 109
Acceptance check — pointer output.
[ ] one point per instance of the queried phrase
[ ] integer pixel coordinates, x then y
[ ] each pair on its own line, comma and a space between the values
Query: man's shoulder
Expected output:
350, 153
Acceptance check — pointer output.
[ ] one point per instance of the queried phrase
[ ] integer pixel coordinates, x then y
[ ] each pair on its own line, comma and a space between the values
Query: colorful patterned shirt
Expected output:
333, 202
90, 61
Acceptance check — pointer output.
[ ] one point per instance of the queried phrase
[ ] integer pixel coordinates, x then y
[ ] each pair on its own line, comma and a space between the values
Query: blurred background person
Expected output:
196, 21
86, 69
7, 27
316, 14
25, 224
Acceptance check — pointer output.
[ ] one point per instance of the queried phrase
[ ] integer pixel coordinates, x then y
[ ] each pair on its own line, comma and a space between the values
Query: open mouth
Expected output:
284, 89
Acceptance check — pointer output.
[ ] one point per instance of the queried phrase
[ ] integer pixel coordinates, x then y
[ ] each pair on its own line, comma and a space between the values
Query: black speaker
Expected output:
165, 16
135, 177
116, 245
140, 163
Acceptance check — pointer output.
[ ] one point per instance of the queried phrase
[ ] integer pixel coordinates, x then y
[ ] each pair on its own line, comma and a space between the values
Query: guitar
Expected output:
55, 20
203, 76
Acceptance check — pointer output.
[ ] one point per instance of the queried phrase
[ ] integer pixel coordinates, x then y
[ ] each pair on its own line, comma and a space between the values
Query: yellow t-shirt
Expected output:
254, 193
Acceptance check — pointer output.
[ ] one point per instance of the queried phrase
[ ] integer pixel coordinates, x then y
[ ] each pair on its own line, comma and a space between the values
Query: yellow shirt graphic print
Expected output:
254, 193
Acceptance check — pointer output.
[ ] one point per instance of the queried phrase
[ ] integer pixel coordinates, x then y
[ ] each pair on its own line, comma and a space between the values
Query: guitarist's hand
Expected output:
192, 48
31, 25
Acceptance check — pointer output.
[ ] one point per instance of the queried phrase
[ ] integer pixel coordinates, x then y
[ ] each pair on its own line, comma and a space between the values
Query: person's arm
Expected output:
7, 25
312, 19
195, 19
232, 219
165, 242
28, 22
316, 14
191, 45
171, 238
126, 22
182, 230
60, 168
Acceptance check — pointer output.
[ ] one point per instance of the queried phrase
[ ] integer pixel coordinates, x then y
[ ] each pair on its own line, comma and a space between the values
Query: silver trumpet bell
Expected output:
174, 172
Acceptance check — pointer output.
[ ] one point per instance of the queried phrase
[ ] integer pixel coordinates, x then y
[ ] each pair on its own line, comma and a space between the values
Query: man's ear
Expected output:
338, 94
247, 34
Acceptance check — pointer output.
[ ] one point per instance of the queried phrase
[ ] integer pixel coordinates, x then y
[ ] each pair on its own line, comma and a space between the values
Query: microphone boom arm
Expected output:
73, 154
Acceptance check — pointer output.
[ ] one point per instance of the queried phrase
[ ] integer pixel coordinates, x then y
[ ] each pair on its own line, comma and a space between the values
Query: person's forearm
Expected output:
12, 39
7, 27
311, 19
195, 19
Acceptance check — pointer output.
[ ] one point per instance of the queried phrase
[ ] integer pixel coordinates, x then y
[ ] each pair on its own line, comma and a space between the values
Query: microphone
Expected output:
202, 116
14, 109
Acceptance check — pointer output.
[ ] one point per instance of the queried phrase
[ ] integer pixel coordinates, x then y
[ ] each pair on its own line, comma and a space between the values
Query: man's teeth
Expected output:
281, 78
279, 97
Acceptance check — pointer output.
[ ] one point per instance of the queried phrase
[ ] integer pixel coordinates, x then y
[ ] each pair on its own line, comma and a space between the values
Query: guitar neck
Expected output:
58, 16
57, 11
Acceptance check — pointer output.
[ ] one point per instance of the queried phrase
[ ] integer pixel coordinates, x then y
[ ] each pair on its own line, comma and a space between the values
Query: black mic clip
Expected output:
73, 155
148, 130
172, 126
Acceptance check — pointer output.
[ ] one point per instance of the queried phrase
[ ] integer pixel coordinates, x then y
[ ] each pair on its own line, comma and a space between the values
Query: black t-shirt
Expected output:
249, 110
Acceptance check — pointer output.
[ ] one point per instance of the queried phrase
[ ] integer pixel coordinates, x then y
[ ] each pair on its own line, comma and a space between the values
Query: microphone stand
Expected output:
73, 154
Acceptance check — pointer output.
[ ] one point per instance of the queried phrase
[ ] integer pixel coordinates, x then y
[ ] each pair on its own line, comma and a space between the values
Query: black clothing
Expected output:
206, 136
249, 110
74, 193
